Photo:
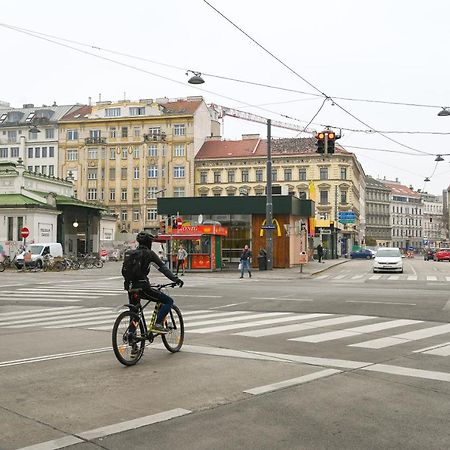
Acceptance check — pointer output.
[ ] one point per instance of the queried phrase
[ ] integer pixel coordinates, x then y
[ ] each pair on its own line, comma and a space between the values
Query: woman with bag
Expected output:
245, 261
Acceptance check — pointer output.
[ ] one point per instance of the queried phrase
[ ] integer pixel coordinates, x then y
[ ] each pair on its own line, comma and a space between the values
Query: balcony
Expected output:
95, 140
154, 137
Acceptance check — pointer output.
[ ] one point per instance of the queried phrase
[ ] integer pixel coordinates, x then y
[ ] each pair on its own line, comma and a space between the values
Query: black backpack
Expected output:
132, 269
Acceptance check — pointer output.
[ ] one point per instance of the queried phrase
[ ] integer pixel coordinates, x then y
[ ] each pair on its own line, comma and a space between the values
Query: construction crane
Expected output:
225, 111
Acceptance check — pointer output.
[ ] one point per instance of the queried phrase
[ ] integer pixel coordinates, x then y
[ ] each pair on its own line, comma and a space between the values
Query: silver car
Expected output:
388, 259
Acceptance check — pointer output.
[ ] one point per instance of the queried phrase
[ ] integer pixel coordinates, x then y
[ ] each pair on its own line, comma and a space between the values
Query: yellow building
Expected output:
239, 168
125, 154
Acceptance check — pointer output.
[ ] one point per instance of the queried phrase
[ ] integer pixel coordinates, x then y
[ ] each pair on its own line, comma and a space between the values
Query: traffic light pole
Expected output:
269, 205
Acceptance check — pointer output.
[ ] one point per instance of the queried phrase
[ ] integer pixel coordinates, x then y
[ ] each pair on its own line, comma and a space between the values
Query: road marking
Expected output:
241, 315
431, 278
383, 303
412, 278
38, 294
447, 305
283, 299
305, 326
292, 382
375, 277
404, 337
393, 277
408, 372
228, 306
109, 430
48, 309
447, 278
356, 331
21, 298
200, 296
439, 349
356, 277
339, 277
321, 277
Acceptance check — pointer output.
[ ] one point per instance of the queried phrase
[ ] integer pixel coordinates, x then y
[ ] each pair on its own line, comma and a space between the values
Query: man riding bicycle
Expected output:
135, 272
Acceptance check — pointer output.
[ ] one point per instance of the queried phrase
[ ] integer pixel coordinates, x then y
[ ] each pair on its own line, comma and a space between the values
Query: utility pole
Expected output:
269, 206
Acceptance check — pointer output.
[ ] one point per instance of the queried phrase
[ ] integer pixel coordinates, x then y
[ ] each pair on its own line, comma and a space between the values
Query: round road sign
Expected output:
24, 232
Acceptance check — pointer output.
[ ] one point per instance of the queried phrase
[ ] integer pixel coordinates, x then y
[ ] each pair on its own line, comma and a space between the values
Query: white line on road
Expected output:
447, 305
228, 306
439, 349
283, 299
199, 296
292, 382
431, 278
409, 372
383, 303
55, 444
48, 309
375, 277
21, 298
412, 278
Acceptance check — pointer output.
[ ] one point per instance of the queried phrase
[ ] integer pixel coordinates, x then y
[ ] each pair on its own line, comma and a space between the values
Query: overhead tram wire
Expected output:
304, 79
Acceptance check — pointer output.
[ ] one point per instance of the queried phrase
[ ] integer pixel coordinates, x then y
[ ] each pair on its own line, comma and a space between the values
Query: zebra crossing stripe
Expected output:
431, 278
394, 277
356, 331
23, 318
240, 316
375, 277
321, 277
404, 337
412, 278
44, 295
306, 325
18, 313
84, 322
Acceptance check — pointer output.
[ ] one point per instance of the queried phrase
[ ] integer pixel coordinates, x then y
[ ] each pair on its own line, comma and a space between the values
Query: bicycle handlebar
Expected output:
160, 286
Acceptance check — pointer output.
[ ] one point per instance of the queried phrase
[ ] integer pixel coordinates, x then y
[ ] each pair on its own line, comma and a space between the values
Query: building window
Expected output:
30, 168
92, 194
51, 152
123, 173
179, 150
3, 152
123, 194
112, 112
287, 174
136, 152
92, 153
178, 192
37, 152
92, 174
124, 152
323, 197
136, 215
152, 214
152, 150
112, 194
36, 169
112, 153
10, 228
14, 152
323, 173
51, 170
302, 174
343, 196
112, 132
135, 193
216, 177
95, 134
274, 175
32, 135
112, 174
30, 152
136, 173
343, 173
44, 152
72, 135
137, 111
203, 177
136, 131
154, 131
124, 132
12, 136
19, 227
49, 133
179, 129
178, 172
259, 175
244, 176
124, 215
152, 172
231, 176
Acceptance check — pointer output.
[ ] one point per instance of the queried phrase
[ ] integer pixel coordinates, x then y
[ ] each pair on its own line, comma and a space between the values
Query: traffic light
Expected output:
174, 221
320, 142
331, 141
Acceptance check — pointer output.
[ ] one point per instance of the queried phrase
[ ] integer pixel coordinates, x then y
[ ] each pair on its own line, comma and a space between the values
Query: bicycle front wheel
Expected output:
128, 338
173, 340
2, 267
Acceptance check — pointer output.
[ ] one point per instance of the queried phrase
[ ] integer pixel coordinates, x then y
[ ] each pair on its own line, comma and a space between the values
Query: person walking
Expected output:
245, 261
320, 252
181, 258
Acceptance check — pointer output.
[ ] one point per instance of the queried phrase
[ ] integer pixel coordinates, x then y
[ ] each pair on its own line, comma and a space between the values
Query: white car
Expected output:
388, 259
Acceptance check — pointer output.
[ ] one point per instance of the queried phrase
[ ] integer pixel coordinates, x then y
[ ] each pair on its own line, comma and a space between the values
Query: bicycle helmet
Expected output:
145, 238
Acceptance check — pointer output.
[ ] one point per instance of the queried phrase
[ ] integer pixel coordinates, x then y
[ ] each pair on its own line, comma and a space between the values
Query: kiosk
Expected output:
203, 244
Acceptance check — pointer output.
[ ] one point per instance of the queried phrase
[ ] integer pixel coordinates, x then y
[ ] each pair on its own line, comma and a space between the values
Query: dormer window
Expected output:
3, 117
112, 112
30, 117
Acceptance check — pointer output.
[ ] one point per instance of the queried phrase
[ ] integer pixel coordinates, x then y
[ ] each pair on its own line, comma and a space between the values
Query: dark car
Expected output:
429, 254
364, 253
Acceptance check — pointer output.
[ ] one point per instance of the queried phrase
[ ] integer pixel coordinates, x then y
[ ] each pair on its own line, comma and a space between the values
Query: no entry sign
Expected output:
24, 232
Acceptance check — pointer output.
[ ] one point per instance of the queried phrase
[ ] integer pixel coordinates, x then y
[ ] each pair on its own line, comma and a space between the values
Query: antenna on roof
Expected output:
100, 97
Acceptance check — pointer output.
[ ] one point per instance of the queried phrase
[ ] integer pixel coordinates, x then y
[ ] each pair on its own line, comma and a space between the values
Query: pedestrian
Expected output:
181, 258
27, 260
245, 261
320, 253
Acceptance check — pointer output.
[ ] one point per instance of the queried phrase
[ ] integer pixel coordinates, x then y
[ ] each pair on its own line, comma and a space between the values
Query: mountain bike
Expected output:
130, 330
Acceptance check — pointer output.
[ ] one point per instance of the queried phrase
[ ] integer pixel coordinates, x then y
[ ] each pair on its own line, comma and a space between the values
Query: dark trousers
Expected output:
180, 263
320, 256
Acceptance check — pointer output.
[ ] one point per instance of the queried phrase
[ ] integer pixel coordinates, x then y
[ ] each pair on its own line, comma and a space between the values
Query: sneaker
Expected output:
159, 328
134, 351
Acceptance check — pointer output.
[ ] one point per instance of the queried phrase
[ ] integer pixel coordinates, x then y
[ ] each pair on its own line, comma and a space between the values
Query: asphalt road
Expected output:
342, 359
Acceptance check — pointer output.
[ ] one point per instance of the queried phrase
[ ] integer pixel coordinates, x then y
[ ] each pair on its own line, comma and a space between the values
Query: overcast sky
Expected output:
394, 51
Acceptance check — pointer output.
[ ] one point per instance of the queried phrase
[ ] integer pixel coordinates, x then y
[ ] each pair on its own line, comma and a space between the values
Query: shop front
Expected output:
203, 244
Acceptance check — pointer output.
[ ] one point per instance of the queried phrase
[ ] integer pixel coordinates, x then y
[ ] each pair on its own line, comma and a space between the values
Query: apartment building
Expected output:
31, 134
378, 218
227, 168
434, 231
406, 216
124, 154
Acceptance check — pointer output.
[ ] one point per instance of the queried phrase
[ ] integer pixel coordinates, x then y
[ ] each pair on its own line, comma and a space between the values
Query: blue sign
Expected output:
346, 215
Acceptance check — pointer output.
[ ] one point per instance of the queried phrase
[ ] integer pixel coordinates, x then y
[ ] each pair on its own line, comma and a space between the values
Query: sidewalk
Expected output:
293, 273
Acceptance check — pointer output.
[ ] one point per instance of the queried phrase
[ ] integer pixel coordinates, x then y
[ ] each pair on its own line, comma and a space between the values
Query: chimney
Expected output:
250, 136
28, 105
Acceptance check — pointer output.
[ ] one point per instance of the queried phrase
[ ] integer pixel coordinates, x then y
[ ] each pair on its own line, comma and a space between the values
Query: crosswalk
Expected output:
350, 276
61, 293
351, 330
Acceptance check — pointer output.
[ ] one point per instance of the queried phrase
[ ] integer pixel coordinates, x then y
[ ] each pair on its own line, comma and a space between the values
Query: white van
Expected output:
38, 251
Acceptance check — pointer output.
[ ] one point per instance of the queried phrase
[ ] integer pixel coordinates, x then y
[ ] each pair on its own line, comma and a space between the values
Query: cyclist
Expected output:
141, 281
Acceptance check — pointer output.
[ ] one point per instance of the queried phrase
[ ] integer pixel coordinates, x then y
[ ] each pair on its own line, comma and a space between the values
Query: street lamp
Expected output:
439, 158
444, 112
75, 224
34, 129
196, 78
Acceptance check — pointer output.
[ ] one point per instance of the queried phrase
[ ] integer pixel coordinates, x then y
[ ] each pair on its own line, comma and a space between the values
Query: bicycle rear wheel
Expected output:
173, 340
128, 338
2, 267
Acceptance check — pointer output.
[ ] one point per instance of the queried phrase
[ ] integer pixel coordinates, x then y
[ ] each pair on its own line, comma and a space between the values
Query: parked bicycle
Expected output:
131, 331
8, 263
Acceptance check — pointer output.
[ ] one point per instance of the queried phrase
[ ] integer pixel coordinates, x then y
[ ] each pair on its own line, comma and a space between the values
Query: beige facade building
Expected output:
125, 154
225, 168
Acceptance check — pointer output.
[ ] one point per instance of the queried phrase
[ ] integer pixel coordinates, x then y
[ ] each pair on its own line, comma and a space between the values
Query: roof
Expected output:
400, 189
181, 106
257, 148
52, 113
63, 200
20, 200
372, 183
78, 113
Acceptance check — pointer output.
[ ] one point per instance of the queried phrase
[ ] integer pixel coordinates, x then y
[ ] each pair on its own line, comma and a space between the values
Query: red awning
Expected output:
168, 237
